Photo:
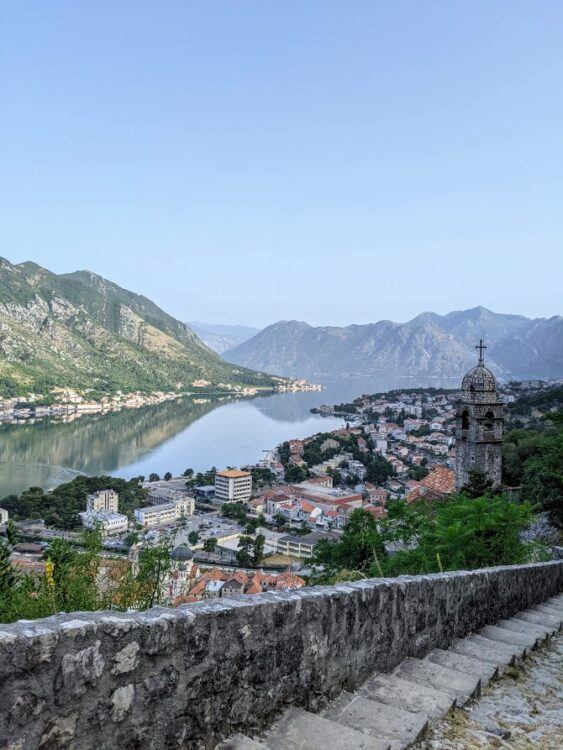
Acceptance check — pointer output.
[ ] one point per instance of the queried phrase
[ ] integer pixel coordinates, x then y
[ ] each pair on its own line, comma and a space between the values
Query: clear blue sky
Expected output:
250, 161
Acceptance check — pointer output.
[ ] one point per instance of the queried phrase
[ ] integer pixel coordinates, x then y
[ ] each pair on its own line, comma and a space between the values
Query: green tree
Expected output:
478, 485
279, 520
167, 476
153, 477
193, 537
258, 549
245, 553
210, 544
294, 474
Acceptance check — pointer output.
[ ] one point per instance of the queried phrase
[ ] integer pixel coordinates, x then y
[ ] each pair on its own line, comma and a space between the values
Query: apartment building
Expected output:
158, 515
233, 486
103, 500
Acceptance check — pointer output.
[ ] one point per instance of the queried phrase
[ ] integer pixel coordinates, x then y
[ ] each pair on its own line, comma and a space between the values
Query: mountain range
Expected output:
82, 331
220, 337
429, 345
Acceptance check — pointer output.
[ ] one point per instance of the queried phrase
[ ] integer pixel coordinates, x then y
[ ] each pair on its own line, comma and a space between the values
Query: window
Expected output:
489, 420
465, 420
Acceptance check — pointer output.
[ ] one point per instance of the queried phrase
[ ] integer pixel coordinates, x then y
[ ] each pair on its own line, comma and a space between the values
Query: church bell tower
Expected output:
479, 425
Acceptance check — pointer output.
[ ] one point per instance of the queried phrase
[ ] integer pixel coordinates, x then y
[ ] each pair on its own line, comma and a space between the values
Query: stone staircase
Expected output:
392, 711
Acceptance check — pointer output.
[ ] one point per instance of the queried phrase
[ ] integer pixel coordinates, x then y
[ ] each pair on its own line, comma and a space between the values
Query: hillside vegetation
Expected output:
81, 331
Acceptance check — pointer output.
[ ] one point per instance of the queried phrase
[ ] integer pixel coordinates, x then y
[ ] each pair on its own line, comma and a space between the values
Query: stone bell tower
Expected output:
479, 425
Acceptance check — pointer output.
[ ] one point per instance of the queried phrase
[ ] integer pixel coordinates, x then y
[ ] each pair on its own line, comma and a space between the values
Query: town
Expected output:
251, 529
67, 404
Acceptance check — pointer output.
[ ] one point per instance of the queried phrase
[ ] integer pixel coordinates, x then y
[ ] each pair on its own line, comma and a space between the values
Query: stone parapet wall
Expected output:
186, 677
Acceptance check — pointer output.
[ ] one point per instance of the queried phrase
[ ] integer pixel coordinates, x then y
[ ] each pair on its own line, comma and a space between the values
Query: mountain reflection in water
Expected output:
172, 436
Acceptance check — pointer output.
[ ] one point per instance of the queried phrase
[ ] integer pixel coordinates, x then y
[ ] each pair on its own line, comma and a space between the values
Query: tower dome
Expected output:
479, 380
479, 383
182, 553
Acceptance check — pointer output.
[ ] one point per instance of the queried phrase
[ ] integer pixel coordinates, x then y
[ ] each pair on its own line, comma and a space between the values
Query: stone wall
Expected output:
186, 677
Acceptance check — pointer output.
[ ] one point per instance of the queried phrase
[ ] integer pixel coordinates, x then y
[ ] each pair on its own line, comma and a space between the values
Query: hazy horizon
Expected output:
331, 162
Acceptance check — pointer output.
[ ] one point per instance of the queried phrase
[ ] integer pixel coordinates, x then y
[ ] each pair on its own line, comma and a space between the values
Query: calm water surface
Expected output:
194, 433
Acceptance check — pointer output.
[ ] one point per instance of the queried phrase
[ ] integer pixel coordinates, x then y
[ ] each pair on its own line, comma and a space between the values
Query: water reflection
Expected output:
171, 436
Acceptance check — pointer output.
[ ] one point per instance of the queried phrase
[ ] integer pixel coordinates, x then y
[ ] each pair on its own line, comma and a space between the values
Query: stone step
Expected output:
487, 671
396, 691
300, 730
376, 719
558, 599
462, 686
551, 611
541, 618
521, 642
501, 648
517, 626
240, 742
487, 654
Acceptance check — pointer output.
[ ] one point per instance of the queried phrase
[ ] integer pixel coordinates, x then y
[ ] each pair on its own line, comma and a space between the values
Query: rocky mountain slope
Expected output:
428, 345
81, 331
222, 337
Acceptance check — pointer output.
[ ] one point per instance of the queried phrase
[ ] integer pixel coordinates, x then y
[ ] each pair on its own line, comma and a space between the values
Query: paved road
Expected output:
528, 705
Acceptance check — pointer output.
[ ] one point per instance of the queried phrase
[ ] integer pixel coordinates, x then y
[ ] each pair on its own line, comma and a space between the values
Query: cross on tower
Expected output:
481, 346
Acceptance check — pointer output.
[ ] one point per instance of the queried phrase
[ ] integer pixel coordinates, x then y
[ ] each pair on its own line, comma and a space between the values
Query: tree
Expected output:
379, 470
279, 520
478, 485
188, 473
8, 573
258, 549
417, 472
167, 476
245, 553
360, 548
295, 474
154, 566
193, 537
154, 477
210, 544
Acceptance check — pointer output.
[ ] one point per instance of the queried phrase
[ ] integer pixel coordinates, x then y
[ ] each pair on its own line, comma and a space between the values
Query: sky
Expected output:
251, 161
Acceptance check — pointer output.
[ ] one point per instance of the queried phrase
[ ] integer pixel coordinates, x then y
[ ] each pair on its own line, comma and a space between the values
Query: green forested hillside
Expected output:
82, 331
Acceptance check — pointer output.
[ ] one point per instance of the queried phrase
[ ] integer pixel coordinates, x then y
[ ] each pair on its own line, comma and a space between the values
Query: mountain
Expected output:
221, 337
428, 345
82, 331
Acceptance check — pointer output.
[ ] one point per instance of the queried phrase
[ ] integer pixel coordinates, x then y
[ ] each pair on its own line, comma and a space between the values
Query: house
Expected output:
440, 481
376, 495
257, 506
234, 586
362, 445
329, 444
296, 446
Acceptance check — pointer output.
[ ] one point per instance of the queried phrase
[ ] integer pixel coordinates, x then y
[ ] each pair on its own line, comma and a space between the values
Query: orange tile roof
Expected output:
440, 480
233, 473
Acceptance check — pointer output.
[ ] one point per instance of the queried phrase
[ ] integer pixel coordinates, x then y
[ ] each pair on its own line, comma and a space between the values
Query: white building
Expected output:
103, 500
233, 486
110, 523
3, 516
158, 515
